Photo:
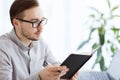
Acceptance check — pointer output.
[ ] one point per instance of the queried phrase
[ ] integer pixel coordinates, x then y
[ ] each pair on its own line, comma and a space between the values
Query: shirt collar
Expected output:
17, 41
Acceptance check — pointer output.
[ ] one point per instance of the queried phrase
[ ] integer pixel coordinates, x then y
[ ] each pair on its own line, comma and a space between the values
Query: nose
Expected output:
39, 27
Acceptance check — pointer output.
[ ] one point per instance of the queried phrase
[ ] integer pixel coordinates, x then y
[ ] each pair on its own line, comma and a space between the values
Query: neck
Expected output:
24, 40
27, 42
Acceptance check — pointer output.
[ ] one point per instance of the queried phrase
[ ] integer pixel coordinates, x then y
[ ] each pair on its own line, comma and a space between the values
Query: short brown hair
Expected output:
19, 6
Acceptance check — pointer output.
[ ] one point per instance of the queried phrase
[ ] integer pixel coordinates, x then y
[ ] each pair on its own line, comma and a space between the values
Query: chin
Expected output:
34, 39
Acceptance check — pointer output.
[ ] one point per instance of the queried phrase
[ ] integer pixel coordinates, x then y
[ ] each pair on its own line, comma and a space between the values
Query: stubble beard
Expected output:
29, 37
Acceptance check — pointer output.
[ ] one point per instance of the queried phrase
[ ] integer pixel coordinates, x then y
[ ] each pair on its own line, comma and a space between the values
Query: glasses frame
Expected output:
33, 23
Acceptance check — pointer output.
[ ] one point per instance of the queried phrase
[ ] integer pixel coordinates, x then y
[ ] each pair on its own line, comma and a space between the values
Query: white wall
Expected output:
5, 24
67, 23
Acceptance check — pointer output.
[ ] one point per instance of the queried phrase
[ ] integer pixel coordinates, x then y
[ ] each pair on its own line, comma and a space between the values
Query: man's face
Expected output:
26, 29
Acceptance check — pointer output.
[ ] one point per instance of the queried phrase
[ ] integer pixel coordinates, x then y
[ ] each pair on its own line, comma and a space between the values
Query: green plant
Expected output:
101, 27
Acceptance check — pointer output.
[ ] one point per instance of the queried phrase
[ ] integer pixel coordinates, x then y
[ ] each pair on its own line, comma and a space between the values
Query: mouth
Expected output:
38, 32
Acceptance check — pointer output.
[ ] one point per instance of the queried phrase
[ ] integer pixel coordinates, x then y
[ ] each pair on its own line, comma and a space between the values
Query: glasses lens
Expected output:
36, 24
41, 23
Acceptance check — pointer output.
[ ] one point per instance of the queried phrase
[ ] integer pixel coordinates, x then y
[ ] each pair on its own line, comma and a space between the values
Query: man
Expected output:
23, 53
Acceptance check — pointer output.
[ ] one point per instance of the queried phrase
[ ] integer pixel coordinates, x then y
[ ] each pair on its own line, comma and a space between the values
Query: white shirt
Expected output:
19, 62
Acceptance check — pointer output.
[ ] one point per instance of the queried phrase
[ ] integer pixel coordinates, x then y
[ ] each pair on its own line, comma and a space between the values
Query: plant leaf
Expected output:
92, 15
95, 10
112, 48
115, 30
113, 16
99, 53
114, 8
82, 44
108, 2
91, 31
95, 45
101, 32
102, 64
86, 41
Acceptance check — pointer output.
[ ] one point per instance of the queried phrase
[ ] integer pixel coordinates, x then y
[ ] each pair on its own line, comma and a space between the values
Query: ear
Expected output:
15, 22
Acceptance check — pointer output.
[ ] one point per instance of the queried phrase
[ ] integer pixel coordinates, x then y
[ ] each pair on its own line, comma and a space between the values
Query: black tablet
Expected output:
74, 62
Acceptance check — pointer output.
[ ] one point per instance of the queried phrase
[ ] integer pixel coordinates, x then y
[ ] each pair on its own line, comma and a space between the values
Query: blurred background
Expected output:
68, 25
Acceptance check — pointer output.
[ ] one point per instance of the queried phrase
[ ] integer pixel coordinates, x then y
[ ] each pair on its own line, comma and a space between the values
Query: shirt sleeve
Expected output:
50, 58
5, 66
33, 77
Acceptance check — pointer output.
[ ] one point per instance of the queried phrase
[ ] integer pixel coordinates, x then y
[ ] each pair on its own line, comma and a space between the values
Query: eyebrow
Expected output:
34, 19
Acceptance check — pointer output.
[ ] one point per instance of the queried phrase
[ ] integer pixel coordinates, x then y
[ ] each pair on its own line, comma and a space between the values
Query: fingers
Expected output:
75, 77
58, 69
53, 72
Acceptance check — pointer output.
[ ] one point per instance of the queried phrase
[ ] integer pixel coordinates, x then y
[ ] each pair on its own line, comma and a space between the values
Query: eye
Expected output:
34, 21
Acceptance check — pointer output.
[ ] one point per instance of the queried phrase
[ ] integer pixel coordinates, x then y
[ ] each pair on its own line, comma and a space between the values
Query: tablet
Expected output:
74, 62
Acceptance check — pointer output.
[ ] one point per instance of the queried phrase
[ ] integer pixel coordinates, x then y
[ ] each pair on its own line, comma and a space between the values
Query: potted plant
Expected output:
102, 28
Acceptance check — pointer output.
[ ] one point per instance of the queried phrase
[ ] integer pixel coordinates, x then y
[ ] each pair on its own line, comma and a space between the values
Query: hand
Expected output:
53, 72
75, 77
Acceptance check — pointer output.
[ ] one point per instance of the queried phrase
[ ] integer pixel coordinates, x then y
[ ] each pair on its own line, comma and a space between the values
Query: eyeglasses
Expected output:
35, 24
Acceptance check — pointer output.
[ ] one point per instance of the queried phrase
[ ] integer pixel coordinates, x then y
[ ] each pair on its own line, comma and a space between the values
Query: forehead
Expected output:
32, 13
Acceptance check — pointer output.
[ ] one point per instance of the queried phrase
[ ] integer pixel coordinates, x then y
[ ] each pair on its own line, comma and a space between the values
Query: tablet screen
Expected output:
74, 62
